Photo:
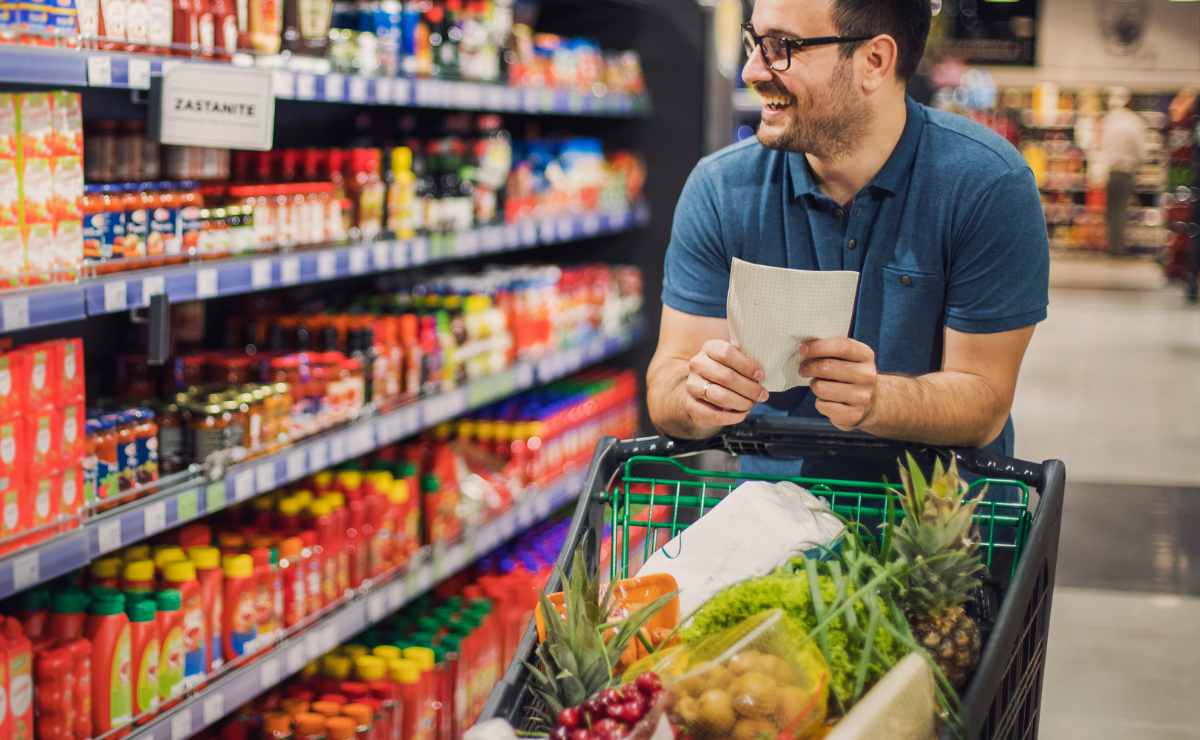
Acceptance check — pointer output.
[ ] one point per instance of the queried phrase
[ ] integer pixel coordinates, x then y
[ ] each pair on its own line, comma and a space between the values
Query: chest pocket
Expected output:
913, 307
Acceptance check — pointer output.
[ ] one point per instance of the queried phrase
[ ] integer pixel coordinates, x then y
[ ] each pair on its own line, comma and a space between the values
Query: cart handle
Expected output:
787, 437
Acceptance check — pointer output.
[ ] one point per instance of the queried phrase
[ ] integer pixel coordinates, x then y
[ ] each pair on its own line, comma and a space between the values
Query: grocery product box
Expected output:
35, 124
67, 122
71, 371
72, 416
13, 464
12, 372
69, 484
43, 439
39, 381
8, 125
44, 492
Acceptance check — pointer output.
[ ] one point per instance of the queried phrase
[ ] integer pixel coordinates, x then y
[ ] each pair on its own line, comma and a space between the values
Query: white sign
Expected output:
215, 105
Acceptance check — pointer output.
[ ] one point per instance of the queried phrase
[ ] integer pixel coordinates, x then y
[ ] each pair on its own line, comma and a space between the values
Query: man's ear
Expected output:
876, 60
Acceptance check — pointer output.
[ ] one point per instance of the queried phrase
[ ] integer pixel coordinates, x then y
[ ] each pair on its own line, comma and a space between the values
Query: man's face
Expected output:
815, 105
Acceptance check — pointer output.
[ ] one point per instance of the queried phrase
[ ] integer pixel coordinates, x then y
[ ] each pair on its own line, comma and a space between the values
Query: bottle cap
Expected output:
238, 566
350, 479
309, 723
168, 554
387, 652
340, 728
289, 506
139, 570
320, 507
71, 601
291, 547
354, 651
195, 535
370, 667
360, 713
107, 605
180, 571
327, 708
168, 600
205, 558
137, 552
322, 481
422, 656
404, 671
106, 568
277, 723
302, 499
231, 541
336, 667
142, 610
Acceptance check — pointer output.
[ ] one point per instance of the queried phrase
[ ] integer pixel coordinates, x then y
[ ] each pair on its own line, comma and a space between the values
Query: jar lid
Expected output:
139, 570
205, 558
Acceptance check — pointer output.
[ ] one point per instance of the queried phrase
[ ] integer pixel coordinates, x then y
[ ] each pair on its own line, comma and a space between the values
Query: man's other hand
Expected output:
844, 379
723, 384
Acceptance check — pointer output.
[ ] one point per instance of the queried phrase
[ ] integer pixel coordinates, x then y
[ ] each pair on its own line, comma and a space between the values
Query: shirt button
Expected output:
905, 280
840, 213
852, 244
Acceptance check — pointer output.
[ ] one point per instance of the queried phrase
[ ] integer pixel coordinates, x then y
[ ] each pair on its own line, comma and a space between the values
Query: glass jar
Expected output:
235, 433
209, 422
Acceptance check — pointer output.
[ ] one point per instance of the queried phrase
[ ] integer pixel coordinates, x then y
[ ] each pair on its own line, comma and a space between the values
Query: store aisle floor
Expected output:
1111, 385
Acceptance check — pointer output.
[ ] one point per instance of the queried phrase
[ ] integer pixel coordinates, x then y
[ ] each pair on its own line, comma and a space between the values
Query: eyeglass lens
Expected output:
775, 51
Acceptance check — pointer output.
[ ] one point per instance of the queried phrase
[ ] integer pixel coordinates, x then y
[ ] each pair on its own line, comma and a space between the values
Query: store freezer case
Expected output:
1019, 531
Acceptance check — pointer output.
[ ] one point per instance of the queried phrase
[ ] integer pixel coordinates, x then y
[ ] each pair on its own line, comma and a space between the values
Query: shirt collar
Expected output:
890, 179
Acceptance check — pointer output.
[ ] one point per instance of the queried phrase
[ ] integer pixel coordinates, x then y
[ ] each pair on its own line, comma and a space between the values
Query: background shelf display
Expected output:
199, 496
87, 68
22, 309
370, 605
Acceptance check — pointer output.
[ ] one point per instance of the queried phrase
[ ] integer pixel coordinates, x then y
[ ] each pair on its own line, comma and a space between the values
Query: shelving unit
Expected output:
34, 307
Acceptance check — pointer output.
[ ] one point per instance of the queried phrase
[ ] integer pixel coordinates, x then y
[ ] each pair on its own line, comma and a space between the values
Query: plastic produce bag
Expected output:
760, 678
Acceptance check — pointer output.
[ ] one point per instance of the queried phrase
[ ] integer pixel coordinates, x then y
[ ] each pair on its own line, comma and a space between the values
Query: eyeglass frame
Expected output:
792, 45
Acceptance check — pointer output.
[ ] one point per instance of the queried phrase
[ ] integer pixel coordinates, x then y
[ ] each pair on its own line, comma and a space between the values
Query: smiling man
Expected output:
940, 216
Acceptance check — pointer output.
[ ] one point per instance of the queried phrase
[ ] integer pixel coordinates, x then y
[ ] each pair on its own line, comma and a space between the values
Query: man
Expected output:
940, 216
1123, 147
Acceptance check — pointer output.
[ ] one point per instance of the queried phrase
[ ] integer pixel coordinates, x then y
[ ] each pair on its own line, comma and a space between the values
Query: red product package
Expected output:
43, 435
12, 388
43, 487
13, 464
70, 376
39, 375
73, 441
69, 486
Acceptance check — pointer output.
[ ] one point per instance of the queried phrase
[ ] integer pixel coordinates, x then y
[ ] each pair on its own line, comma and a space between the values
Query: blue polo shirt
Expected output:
950, 232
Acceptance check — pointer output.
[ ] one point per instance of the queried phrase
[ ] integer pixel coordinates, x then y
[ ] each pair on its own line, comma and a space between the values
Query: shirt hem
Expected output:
993, 326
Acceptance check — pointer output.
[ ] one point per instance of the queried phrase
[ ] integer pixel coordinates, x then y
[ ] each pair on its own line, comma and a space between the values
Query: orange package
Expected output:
70, 377
39, 375
43, 437
13, 464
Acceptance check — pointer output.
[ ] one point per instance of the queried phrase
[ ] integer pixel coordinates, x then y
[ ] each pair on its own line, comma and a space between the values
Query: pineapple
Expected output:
937, 541
583, 646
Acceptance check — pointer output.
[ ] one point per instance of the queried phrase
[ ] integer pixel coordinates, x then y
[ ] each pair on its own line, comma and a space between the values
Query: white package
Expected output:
752, 531
772, 310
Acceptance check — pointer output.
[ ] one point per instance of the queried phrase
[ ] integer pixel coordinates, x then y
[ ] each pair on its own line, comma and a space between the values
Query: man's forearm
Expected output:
666, 398
942, 408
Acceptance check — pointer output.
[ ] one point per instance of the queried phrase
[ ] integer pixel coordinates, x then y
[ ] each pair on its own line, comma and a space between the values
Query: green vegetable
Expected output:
843, 641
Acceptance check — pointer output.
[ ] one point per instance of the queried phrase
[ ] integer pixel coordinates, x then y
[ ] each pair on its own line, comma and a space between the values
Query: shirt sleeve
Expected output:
1000, 267
696, 269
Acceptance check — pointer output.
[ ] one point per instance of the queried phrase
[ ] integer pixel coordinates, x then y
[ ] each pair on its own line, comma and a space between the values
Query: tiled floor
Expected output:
1111, 385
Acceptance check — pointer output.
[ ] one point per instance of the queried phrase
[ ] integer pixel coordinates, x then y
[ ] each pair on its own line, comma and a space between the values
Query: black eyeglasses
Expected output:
777, 50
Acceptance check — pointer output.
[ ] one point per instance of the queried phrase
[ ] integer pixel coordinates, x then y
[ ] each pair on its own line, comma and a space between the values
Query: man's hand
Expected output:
845, 380
723, 384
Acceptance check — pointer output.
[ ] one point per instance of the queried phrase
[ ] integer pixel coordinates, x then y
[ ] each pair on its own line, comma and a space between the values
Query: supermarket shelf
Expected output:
205, 280
103, 69
370, 605
198, 496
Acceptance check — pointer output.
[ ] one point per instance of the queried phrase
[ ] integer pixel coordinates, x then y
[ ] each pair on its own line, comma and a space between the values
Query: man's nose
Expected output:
756, 69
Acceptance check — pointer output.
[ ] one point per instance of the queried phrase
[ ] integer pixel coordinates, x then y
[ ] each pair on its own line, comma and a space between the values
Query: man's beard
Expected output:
832, 128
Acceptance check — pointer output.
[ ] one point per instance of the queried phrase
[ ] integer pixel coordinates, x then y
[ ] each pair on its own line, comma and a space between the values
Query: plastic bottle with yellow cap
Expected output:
336, 667
325, 549
107, 572
207, 561
323, 482
136, 552
181, 576
337, 510
416, 712
239, 623
164, 554
138, 576
372, 670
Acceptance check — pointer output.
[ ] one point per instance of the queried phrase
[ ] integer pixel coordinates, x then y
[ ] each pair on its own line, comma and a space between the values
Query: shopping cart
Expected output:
631, 481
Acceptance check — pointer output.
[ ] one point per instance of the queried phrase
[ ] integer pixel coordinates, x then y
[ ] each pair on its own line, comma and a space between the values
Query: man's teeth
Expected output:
776, 102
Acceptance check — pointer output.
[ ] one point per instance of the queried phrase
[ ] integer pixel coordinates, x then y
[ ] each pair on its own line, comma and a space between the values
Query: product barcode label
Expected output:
139, 74
420, 251
99, 71
358, 89
400, 254
306, 87
335, 87
154, 518
297, 656
296, 465
381, 256
152, 286
115, 296
283, 84
16, 313
214, 496
318, 457
383, 91
289, 270
260, 274
214, 708
395, 595
401, 91
243, 486
206, 283
326, 265
312, 643
187, 505
108, 535
358, 260
376, 607
264, 476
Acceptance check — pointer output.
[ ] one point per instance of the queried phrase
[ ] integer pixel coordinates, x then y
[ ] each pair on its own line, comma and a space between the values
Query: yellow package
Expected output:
761, 678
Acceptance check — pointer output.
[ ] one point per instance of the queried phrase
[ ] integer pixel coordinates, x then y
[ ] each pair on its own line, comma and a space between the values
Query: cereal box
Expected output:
67, 117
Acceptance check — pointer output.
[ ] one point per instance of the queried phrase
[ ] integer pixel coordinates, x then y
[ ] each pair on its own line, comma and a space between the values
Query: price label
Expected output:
283, 84
187, 505
99, 71
214, 497
312, 644
243, 486
358, 260
493, 97
400, 254
420, 251
546, 231
529, 233
591, 224
329, 637
566, 229
297, 656
318, 457
214, 708
115, 296
529, 100
428, 576
152, 286
512, 98
109, 535
264, 476
289, 270
335, 87
546, 102
381, 256
154, 518
468, 244
206, 283
181, 724
268, 673
575, 102
542, 504
358, 89
306, 87
326, 265
16, 313
511, 237
376, 607
139, 73
260, 274
296, 465
383, 91
401, 91
26, 571
337, 448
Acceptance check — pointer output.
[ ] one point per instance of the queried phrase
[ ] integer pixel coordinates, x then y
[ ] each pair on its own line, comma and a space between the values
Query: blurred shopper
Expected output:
1123, 147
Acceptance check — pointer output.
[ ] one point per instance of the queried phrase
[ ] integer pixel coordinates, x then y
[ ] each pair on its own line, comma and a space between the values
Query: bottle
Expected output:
33, 611
68, 615
407, 675
172, 658
53, 698
428, 698
81, 676
306, 26
264, 597
20, 680
372, 670
239, 620
326, 551
107, 572
144, 651
225, 28
138, 577
368, 194
212, 593
181, 576
401, 194
266, 26
108, 631
164, 555
382, 513
293, 578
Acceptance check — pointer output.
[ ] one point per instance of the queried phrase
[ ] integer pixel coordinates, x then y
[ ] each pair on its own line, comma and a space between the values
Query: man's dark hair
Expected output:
906, 21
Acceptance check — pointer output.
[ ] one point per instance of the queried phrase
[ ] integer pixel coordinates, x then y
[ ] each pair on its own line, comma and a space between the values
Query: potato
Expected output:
755, 695
687, 710
717, 677
754, 729
715, 711
794, 703
778, 668
744, 662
